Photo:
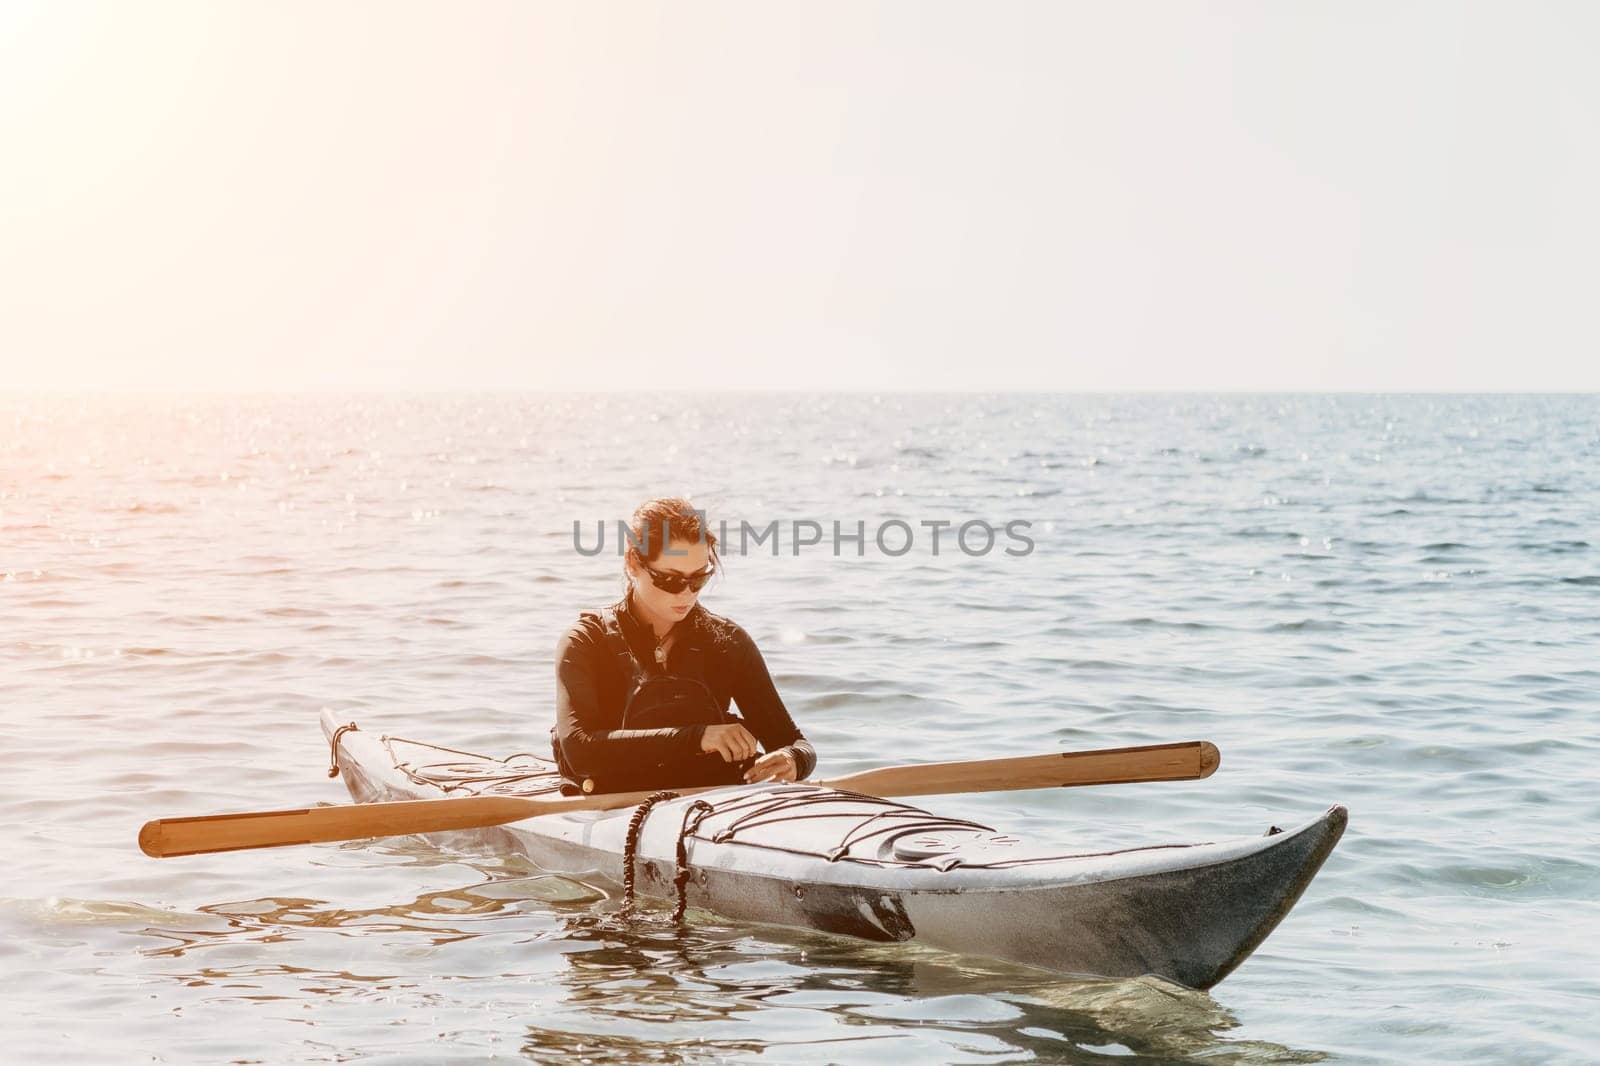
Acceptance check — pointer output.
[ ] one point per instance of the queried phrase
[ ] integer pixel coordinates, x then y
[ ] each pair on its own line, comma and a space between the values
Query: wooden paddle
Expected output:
167, 837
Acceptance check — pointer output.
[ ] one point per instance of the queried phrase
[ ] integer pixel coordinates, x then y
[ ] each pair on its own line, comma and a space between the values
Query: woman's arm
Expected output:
763, 709
585, 733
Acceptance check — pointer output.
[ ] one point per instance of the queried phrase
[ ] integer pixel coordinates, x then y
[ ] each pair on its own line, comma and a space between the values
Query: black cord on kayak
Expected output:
691, 821
534, 776
630, 848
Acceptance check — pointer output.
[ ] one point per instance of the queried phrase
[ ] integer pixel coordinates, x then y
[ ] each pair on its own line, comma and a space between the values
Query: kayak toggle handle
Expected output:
333, 747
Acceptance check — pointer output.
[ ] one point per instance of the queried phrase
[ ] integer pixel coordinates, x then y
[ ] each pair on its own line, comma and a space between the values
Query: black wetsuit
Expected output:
593, 683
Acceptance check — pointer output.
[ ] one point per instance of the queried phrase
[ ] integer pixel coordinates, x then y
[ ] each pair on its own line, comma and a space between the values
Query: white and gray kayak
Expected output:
838, 862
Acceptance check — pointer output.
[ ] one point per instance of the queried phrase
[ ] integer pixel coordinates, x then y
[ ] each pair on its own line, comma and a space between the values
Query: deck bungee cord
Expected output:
472, 778
630, 854
781, 807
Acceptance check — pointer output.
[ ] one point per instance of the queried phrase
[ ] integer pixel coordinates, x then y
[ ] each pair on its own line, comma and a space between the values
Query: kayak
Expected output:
818, 858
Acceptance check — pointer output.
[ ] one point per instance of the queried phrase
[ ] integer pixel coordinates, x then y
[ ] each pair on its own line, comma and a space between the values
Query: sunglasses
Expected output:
667, 581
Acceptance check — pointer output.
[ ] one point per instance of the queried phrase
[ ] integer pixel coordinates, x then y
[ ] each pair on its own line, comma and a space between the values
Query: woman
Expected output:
643, 686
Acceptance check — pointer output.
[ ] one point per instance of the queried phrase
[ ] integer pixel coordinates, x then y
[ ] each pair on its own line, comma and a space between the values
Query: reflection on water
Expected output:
438, 915
543, 964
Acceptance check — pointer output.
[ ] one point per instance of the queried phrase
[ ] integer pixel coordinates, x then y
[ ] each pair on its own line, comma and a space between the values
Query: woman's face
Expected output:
684, 557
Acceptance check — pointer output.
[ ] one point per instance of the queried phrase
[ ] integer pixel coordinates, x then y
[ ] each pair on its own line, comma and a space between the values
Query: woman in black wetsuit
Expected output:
643, 686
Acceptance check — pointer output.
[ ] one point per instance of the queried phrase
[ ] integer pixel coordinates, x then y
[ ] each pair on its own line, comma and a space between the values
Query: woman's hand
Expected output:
733, 742
777, 765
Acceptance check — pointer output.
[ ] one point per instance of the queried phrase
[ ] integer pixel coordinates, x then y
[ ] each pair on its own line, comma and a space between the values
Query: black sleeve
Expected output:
584, 735
763, 709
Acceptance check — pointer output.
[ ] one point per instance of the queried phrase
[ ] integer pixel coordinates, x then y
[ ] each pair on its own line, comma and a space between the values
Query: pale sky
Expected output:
861, 195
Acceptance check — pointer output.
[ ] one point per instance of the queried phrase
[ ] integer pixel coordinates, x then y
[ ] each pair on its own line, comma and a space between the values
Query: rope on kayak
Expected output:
630, 848
333, 747
692, 816
691, 821
883, 818
482, 774
884, 822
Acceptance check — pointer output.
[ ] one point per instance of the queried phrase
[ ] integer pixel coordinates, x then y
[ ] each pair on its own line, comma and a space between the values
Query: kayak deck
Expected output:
818, 858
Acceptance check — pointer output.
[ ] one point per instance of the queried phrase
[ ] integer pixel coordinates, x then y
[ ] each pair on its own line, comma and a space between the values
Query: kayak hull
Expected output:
814, 858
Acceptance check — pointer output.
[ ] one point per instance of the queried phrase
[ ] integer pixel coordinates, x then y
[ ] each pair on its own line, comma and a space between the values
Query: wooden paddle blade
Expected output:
1111, 766
167, 837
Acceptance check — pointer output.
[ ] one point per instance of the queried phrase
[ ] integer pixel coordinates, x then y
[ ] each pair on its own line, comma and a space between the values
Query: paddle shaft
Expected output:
168, 837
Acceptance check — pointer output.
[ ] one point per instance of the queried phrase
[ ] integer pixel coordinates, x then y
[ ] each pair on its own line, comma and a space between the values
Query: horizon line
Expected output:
392, 390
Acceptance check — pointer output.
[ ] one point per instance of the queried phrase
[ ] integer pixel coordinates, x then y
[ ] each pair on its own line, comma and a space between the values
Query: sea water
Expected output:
1390, 602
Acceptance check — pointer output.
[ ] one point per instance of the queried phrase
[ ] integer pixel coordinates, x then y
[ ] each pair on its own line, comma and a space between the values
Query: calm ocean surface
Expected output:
1391, 602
